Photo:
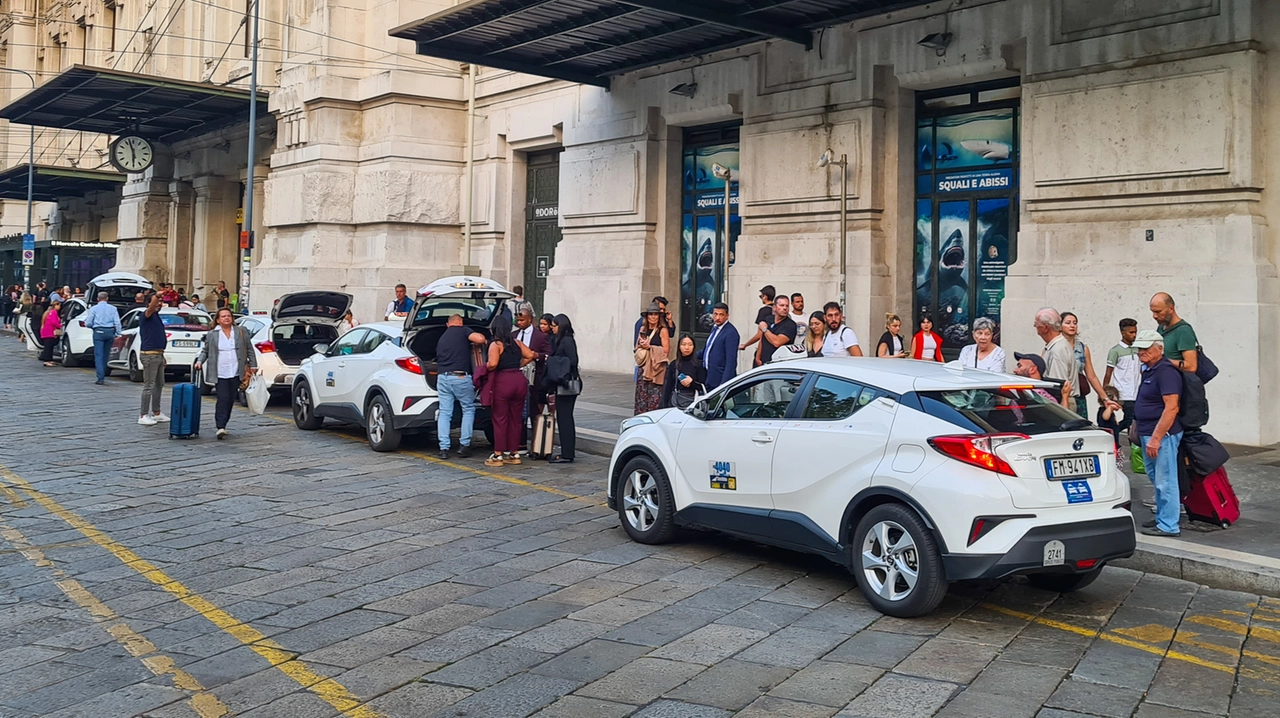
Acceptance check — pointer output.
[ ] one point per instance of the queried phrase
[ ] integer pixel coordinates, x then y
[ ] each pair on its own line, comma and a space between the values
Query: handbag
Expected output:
642, 353
1082, 381
257, 395
1205, 368
571, 387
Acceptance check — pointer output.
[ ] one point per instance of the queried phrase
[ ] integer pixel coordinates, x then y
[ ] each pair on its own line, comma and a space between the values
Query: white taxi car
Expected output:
76, 346
382, 375
184, 331
911, 474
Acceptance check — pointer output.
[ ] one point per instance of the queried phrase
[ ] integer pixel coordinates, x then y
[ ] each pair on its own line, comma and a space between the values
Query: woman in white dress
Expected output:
983, 353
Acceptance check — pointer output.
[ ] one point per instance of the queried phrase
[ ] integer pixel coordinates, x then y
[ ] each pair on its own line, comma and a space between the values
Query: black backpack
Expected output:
1193, 406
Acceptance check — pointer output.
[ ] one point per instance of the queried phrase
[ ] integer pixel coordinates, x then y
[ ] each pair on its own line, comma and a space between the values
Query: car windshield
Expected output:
186, 319
1021, 410
474, 307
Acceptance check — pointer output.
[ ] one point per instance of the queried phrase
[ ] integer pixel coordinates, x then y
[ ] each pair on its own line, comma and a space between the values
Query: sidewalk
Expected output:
1243, 557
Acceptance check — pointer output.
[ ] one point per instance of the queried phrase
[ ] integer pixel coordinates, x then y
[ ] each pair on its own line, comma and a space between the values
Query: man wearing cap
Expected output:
1155, 412
1032, 366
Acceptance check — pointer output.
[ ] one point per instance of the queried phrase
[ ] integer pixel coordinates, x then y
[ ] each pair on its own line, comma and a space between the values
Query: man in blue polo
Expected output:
1156, 415
104, 320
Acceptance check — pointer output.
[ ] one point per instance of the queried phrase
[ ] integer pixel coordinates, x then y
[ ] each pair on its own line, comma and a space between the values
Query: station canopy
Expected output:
589, 41
113, 102
51, 184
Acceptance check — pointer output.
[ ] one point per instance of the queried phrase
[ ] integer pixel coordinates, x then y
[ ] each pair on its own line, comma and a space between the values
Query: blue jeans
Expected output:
102, 339
1163, 473
461, 389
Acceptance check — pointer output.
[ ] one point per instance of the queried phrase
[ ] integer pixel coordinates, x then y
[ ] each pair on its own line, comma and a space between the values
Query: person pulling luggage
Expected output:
231, 361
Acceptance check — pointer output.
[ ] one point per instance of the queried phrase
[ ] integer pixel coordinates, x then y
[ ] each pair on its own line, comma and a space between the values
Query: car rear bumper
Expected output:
427, 418
1100, 540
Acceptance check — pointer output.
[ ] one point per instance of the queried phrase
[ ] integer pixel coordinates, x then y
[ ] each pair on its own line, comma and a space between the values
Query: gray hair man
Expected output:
1059, 357
1156, 416
104, 320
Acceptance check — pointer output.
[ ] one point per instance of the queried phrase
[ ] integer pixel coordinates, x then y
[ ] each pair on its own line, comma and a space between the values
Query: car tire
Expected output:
646, 506
1063, 582
68, 359
890, 545
488, 434
377, 425
135, 372
304, 413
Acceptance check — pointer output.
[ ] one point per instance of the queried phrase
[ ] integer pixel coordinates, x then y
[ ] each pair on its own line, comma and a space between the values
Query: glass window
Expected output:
473, 307
193, 320
348, 343
765, 399
833, 398
372, 341
1004, 409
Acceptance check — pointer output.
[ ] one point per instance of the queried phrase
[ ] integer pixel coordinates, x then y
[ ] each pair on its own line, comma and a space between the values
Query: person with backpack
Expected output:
1159, 430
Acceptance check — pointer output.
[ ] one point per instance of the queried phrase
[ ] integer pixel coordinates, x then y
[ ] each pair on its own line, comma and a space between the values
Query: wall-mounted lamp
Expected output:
685, 89
829, 158
936, 41
721, 172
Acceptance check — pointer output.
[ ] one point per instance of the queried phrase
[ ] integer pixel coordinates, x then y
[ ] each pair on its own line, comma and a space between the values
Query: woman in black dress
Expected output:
564, 356
685, 376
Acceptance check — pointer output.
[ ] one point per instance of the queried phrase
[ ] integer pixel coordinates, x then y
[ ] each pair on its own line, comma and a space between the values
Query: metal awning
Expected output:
111, 102
54, 183
589, 41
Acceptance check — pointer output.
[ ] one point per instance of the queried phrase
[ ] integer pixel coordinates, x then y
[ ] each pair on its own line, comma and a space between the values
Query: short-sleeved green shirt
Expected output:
1178, 339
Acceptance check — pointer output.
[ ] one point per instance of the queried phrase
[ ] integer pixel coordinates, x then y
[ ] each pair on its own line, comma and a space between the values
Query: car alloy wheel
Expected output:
382, 436
646, 506
68, 359
135, 373
304, 416
889, 561
640, 500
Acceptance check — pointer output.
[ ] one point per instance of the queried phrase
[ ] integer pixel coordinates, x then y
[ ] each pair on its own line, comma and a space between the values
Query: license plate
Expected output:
1072, 467
185, 343
1055, 554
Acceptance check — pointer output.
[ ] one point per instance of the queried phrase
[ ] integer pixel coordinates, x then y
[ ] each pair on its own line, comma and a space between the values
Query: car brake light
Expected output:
168, 335
266, 347
977, 449
1086, 563
82, 325
410, 364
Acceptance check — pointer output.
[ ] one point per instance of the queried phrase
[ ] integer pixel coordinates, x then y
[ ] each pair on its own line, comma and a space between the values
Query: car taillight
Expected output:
265, 347
410, 364
1086, 563
167, 335
977, 449
82, 325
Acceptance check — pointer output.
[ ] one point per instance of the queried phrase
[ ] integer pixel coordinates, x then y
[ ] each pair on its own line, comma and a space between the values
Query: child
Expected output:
1110, 420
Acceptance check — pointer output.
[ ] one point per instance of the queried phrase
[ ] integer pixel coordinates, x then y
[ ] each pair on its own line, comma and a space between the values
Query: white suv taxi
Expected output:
911, 474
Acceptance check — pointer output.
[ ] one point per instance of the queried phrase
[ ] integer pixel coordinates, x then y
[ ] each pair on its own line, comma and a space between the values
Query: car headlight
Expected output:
635, 421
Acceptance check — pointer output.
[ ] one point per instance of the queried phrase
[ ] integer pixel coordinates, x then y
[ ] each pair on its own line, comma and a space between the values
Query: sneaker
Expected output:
511, 460
493, 460
222, 433
1149, 524
1150, 504
1157, 532
464, 451
145, 420
444, 454
161, 418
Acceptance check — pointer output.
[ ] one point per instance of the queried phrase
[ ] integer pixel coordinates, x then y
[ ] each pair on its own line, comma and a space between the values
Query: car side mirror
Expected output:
698, 409
320, 348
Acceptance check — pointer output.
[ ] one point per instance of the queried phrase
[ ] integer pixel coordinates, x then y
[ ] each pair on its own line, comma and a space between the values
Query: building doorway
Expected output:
966, 206
541, 224
703, 223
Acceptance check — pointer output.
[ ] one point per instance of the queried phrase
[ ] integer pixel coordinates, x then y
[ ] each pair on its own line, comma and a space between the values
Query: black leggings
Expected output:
564, 425
46, 354
228, 391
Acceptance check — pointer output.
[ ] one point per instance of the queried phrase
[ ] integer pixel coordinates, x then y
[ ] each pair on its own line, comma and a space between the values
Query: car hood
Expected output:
312, 306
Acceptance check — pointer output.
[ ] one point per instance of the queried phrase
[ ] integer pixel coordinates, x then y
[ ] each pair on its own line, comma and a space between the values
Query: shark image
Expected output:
988, 149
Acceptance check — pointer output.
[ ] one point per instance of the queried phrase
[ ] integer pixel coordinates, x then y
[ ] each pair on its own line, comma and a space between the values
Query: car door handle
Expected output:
762, 439
342, 365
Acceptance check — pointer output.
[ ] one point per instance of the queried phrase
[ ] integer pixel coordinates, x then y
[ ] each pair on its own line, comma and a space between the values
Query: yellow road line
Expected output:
205, 704
1111, 638
1261, 633
12, 497
327, 689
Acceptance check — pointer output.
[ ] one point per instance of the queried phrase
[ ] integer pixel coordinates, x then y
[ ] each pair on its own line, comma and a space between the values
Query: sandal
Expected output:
511, 460
493, 460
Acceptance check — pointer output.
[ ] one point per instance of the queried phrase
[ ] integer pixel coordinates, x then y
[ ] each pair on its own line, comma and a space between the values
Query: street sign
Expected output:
28, 257
244, 240
29, 242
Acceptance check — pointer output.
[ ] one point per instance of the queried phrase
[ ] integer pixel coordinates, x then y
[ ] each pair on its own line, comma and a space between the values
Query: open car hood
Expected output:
312, 306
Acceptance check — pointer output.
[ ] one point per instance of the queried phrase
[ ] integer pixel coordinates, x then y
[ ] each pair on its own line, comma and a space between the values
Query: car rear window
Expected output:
1003, 409
182, 319
473, 308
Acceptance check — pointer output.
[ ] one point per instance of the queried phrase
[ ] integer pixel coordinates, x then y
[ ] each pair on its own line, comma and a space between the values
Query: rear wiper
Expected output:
1075, 424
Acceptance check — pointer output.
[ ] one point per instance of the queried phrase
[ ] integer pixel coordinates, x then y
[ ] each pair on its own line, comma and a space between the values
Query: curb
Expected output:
1206, 565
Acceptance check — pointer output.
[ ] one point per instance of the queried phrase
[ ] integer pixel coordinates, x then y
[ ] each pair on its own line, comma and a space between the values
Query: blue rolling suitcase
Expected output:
184, 415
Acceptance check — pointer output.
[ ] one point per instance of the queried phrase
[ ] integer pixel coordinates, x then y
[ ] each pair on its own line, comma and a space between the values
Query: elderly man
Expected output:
1156, 415
1059, 357
104, 320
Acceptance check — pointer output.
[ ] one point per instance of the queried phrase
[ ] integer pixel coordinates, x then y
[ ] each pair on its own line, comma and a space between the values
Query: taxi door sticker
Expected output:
724, 475
328, 380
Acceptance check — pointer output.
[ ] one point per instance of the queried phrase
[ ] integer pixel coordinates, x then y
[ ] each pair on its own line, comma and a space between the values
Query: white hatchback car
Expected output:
184, 333
382, 375
911, 474
76, 346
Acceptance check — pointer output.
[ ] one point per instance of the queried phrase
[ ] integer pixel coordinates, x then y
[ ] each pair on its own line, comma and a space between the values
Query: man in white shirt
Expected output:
798, 316
841, 340
1059, 357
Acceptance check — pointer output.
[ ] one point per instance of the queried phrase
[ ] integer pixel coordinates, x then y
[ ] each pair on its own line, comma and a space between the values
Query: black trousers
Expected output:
49, 343
227, 391
565, 426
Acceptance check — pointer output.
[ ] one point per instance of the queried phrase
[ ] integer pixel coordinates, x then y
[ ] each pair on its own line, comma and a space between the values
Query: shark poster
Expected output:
701, 231
971, 139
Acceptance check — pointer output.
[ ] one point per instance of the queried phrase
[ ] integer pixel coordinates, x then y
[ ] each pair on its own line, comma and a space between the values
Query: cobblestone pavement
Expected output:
295, 574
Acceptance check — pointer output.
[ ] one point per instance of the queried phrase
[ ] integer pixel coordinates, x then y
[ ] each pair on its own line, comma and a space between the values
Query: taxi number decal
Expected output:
328, 380
724, 475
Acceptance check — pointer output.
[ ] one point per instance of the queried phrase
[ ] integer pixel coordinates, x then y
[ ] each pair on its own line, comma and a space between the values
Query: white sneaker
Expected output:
160, 418
221, 433
146, 420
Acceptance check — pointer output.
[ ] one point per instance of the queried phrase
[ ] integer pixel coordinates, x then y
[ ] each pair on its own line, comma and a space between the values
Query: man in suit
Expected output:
720, 355
528, 334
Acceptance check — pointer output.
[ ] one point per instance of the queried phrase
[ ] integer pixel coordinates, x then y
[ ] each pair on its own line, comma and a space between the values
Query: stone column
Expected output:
180, 231
216, 242
143, 223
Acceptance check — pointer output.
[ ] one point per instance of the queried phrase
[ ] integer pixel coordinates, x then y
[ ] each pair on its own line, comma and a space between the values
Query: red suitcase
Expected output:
1212, 499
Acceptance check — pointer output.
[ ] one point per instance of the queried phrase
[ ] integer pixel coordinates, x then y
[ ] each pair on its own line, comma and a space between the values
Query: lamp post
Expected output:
246, 243
719, 171
828, 158
31, 177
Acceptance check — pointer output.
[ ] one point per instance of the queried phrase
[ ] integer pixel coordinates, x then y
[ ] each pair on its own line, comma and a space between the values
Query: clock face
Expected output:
131, 154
